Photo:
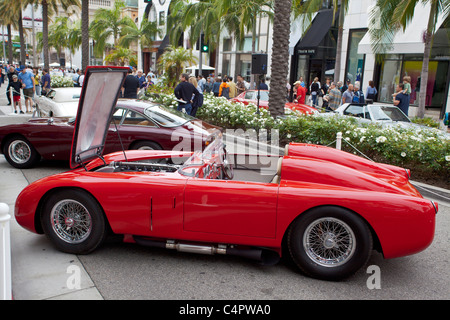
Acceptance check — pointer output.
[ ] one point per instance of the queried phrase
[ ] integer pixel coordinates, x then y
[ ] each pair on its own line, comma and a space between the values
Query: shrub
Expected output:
60, 82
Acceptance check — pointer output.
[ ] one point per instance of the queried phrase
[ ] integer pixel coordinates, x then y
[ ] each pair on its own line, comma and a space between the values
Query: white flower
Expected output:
381, 139
403, 154
447, 158
289, 136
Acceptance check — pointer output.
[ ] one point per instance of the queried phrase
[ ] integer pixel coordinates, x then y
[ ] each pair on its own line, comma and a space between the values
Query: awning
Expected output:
297, 30
410, 41
316, 32
204, 67
164, 44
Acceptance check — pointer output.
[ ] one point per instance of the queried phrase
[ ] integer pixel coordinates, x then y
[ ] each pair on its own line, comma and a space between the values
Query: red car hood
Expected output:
99, 95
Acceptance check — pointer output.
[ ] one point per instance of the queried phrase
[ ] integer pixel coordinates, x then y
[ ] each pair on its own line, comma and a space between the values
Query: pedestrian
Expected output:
45, 82
12, 71
347, 96
263, 85
28, 87
197, 100
149, 82
224, 90
184, 92
334, 96
371, 92
81, 78
141, 78
301, 92
345, 86
232, 85
130, 86
240, 85
209, 84
401, 100
315, 89
216, 87
37, 81
201, 82
16, 85
358, 95
76, 78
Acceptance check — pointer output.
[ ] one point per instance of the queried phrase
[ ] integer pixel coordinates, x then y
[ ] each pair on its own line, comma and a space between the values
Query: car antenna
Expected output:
120, 139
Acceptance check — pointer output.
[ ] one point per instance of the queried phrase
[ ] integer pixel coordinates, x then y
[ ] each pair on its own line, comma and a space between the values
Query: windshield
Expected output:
213, 153
166, 117
388, 113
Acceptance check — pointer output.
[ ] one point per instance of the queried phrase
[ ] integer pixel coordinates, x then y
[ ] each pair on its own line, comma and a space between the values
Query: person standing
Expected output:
45, 82
12, 71
130, 86
37, 81
263, 85
347, 96
28, 87
224, 90
216, 87
184, 92
401, 99
315, 89
301, 93
240, 85
141, 78
371, 92
16, 85
334, 97
232, 87
197, 100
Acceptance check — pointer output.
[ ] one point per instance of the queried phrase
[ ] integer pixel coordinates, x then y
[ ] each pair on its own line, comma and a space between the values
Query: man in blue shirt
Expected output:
401, 100
27, 79
142, 81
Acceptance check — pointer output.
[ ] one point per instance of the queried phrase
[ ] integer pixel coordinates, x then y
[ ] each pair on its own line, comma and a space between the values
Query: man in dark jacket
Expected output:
185, 92
12, 71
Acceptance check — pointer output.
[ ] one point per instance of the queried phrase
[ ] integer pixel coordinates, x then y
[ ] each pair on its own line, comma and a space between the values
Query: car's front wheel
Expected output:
74, 221
20, 153
330, 243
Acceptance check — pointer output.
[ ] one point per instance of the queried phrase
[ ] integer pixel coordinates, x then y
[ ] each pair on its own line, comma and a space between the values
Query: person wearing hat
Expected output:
16, 85
301, 92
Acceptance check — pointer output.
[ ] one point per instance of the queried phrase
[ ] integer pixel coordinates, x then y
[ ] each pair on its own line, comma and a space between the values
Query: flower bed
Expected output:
60, 82
425, 151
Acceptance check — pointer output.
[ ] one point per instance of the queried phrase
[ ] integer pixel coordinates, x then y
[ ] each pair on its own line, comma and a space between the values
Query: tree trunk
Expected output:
84, 34
280, 57
426, 61
45, 47
23, 53
10, 45
337, 65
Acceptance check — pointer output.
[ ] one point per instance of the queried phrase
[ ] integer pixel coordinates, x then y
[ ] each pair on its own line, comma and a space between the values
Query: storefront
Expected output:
315, 53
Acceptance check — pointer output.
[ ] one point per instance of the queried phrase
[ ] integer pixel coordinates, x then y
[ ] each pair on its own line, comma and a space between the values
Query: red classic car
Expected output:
329, 220
140, 125
250, 96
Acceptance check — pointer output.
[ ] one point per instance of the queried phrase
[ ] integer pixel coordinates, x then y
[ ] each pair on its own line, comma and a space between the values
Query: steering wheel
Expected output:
227, 167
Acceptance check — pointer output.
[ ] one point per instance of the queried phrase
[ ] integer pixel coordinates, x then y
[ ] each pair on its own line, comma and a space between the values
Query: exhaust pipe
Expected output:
264, 256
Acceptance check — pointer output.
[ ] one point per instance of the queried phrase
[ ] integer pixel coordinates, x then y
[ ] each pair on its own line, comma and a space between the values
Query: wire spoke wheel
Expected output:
329, 242
71, 221
19, 151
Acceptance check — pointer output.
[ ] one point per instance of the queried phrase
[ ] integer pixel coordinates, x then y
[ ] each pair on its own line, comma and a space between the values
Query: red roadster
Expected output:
329, 220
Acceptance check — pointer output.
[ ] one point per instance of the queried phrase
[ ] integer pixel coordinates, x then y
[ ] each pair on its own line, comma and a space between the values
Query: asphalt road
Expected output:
128, 271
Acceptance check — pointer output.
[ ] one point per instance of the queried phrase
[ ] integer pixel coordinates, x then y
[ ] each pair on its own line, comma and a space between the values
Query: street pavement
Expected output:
126, 271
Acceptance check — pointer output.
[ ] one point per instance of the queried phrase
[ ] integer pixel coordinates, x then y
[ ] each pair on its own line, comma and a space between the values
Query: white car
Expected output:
59, 102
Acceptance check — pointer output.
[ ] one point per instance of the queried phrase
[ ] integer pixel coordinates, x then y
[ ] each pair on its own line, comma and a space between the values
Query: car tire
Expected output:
146, 145
20, 153
74, 221
329, 243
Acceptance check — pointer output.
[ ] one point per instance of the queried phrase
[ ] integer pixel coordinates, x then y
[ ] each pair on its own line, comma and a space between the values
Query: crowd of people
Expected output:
27, 81
336, 94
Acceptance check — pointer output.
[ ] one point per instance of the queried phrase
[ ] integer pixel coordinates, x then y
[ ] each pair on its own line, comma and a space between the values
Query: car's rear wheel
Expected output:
74, 221
330, 243
20, 153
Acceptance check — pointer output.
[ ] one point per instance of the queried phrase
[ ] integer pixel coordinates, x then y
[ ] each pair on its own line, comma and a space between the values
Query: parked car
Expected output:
251, 96
329, 220
59, 102
135, 125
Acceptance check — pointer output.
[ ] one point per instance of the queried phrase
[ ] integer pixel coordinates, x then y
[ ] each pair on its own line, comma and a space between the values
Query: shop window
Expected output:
355, 61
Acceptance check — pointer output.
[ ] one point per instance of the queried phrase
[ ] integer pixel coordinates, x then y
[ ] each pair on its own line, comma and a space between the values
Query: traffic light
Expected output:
205, 48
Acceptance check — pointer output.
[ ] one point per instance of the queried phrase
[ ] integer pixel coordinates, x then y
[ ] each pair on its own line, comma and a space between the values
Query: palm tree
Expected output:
280, 57
84, 34
11, 22
120, 56
48, 7
306, 10
14, 9
145, 34
396, 15
108, 23
174, 60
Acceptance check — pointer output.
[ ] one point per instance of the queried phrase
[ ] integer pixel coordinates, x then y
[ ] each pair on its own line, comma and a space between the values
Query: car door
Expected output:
229, 207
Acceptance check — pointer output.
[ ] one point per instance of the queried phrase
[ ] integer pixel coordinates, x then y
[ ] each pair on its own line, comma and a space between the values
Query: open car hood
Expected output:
98, 98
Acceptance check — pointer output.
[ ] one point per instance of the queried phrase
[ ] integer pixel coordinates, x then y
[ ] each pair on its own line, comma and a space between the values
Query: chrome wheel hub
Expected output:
19, 151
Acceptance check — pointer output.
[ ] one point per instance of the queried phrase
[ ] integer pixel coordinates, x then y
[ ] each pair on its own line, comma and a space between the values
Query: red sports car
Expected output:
329, 220
135, 125
250, 96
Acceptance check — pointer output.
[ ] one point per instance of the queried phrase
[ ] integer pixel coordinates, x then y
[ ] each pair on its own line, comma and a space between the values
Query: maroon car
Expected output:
135, 125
